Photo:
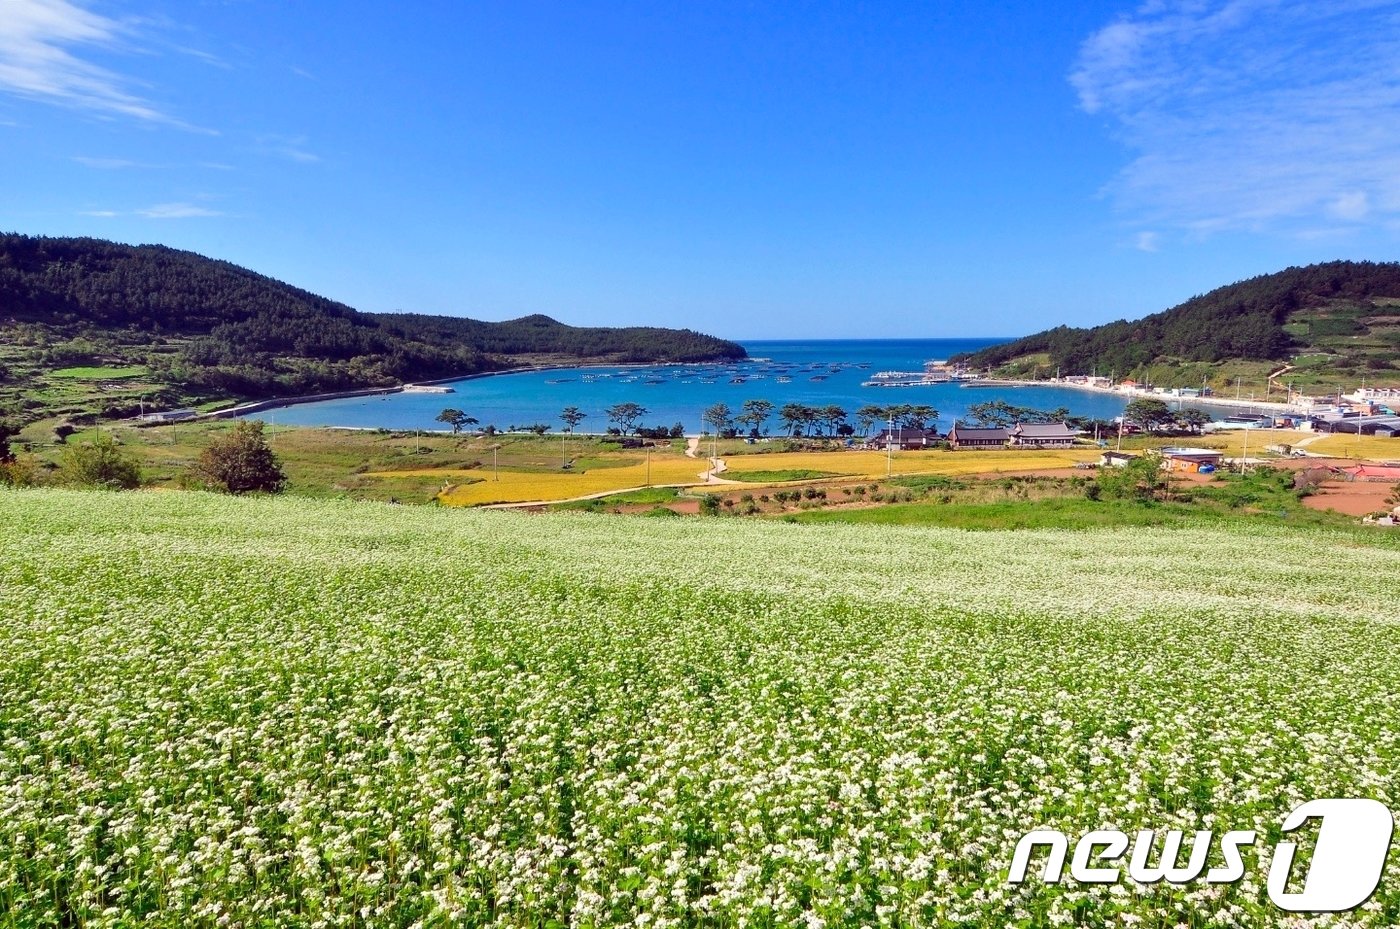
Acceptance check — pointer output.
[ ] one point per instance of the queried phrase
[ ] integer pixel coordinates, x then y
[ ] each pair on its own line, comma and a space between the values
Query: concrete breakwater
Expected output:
258, 406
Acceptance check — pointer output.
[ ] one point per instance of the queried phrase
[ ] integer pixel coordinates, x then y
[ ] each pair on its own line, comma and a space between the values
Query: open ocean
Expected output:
679, 393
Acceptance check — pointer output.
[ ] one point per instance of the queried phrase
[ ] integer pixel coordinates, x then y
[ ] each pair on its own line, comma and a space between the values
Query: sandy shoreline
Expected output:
1266, 406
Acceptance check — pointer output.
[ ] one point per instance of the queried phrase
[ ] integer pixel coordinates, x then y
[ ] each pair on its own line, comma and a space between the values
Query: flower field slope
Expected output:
220, 711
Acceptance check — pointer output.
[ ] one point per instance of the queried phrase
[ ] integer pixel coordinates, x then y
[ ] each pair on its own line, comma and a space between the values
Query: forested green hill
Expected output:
192, 327
1346, 310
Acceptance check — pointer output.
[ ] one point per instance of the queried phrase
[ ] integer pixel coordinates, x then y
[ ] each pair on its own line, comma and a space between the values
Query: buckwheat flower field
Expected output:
233, 712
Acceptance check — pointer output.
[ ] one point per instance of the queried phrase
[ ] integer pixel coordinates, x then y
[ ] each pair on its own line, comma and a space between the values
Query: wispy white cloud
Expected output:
180, 210
207, 57
36, 39
45, 54
109, 164
1279, 115
1147, 242
177, 211
288, 146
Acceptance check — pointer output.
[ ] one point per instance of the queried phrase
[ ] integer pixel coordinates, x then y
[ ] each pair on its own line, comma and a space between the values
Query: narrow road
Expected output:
717, 465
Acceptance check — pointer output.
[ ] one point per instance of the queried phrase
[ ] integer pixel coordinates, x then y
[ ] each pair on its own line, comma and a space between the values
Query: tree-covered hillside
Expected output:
195, 327
1270, 317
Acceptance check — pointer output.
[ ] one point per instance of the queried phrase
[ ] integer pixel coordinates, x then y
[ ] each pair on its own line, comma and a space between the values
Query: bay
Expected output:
818, 372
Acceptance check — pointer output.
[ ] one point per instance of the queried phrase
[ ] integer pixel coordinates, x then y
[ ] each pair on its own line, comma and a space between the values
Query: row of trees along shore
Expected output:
755, 417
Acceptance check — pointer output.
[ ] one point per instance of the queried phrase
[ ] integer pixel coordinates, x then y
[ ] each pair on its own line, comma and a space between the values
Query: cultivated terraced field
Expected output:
290, 712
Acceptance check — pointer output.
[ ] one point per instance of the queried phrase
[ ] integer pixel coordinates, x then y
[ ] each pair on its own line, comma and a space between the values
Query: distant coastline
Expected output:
1135, 393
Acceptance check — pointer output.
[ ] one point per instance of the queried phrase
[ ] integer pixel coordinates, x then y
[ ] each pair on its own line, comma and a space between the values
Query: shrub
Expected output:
19, 472
100, 463
241, 462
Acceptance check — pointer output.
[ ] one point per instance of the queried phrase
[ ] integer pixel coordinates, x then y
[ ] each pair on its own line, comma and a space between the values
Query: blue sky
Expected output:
752, 170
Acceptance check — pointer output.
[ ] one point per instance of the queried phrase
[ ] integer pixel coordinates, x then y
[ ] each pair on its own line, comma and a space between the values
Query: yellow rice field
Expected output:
522, 486
1349, 446
479, 486
873, 464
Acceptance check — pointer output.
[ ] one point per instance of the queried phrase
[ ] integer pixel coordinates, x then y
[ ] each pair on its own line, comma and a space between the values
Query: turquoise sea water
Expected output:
821, 372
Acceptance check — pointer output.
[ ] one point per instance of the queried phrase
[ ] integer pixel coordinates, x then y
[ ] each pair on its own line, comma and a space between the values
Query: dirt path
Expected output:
717, 467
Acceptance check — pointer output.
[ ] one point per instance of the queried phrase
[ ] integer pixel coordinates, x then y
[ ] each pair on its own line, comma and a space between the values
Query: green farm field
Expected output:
300, 712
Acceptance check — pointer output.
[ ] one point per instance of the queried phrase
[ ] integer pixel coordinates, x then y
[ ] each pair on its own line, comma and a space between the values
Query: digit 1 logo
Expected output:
1346, 864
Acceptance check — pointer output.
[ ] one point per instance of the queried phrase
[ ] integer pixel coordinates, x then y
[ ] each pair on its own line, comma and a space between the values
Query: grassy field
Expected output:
380, 465
1262, 497
109, 373
291, 712
773, 477
1055, 513
459, 470
1350, 446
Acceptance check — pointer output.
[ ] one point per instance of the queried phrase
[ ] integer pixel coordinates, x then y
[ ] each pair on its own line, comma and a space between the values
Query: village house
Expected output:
961, 436
906, 439
1192, 460
1115, 459
1042, 435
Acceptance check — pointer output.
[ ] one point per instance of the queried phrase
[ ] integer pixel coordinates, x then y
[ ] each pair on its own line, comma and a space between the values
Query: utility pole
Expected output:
648, 465
495, 469
889, 448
